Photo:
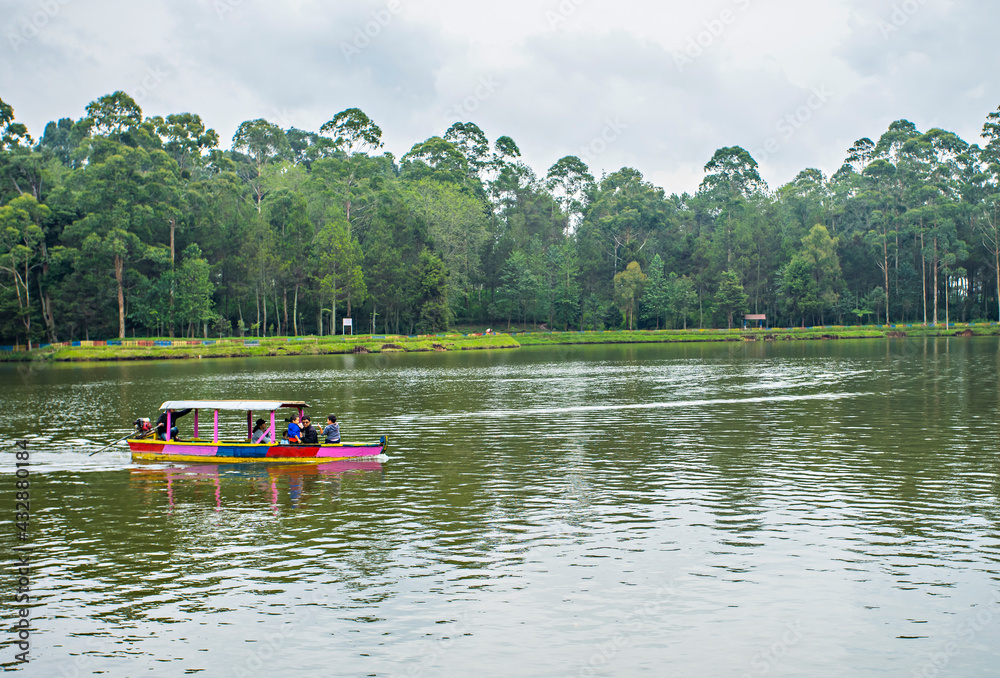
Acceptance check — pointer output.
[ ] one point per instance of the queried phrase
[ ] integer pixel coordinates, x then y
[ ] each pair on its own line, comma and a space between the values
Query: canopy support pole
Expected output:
215, 436
196, 423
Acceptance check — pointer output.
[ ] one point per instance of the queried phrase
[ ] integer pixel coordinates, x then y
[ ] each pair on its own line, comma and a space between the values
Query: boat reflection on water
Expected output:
272, 481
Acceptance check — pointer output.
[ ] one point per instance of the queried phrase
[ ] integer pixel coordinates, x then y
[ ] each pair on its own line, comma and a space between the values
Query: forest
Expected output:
117, 225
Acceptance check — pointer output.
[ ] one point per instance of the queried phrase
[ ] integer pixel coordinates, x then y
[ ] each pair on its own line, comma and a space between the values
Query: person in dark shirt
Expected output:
161, 423
309, 434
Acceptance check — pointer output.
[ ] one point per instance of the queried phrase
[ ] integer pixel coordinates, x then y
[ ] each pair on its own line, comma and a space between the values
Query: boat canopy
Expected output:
244, 405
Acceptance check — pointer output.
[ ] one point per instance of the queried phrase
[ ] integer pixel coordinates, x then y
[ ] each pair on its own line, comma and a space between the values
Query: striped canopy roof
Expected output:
231, 404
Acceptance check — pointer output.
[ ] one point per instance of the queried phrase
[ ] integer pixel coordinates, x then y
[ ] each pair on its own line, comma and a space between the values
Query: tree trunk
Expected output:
996, 261
947, 318
923, 275
295, 312
46, 303
173, 267
50, 321
119, 276
284, 301
885, 261
934, 265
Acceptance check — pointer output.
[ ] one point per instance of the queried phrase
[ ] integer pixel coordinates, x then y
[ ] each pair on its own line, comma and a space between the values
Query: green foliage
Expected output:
629, 286
114, 223
432, 300
730, 297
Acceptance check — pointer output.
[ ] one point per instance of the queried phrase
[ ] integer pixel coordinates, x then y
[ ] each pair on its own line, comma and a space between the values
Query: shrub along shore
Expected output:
187, 349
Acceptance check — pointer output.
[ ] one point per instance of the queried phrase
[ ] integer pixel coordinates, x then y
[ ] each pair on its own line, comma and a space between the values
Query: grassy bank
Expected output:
266, 347
784, 334
282, 346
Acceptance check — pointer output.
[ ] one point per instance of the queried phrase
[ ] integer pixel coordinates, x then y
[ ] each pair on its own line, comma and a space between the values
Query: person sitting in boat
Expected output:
161, 423
332, 429
259, 434
309, 434
294, 431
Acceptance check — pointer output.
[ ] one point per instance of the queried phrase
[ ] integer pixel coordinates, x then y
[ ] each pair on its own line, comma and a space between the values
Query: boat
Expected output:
145, 447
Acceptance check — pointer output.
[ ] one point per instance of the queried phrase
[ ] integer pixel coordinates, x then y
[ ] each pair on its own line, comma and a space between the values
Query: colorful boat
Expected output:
146, 448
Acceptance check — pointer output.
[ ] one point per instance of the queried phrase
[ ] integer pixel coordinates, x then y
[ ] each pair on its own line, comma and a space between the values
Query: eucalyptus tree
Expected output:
286, 212
20, 163
58, 139
623, 214
115, 114
472, 143
22, 244
437, 159
564, 267
684, 295
629, 285
432, 295
732, 172
262, 143
731, 190
988, 227
730, 298
881, 219
186, 139
337, 267
989, 222
656, 300
457, 226
518, 288
569, 180
860, 155
308, 147
194, 291
354, 134
819, 251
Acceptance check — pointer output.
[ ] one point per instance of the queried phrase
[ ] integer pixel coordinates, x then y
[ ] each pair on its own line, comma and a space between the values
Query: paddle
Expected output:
127, 435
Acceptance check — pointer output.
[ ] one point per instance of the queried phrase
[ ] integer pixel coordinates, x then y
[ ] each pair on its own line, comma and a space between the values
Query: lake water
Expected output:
779, 509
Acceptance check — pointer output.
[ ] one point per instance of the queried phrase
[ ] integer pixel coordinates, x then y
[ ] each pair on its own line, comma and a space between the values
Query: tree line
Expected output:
117, 225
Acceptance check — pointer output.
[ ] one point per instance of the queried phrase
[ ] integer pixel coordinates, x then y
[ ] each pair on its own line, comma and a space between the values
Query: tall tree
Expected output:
21, 250
629, 285
262, 142
730, 297
353, 133
432, 300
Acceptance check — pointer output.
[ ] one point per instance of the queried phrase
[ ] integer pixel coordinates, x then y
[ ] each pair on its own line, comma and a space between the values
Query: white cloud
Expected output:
553, 75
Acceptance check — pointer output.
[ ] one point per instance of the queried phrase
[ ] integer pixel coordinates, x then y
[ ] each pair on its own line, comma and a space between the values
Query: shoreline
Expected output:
186, 349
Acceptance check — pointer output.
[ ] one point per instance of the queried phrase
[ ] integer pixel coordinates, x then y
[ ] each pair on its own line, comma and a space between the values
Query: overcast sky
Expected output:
657, 86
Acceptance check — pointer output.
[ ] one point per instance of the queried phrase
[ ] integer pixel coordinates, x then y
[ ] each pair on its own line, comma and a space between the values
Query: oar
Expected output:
106, 447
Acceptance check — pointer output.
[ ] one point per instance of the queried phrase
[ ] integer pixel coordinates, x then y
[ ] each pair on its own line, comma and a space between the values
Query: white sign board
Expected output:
348, 322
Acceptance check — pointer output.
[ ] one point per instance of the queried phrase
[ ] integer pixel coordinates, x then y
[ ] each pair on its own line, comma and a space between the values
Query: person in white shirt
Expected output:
259, 434
332, 429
